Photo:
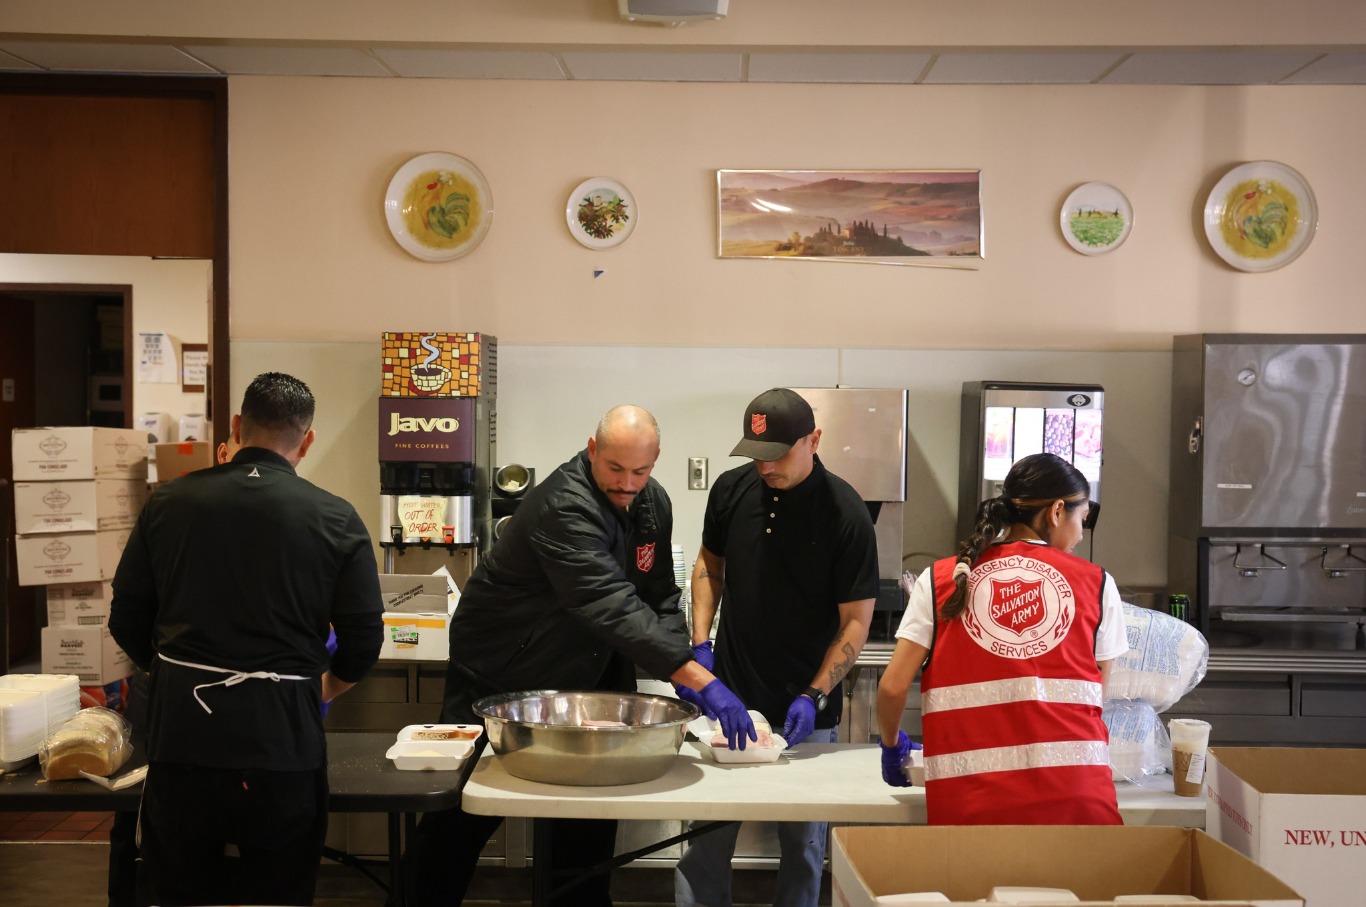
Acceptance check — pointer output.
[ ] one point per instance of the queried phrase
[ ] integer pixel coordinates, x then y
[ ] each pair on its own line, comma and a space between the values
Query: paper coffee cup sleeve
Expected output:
1167, 658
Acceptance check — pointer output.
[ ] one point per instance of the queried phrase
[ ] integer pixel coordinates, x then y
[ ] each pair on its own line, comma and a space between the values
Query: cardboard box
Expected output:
88, 652
1096, 863
79, 452
1297, 811
72, 557
78, 505
174, 460
414, 593
79, 604
416, 637
436, 364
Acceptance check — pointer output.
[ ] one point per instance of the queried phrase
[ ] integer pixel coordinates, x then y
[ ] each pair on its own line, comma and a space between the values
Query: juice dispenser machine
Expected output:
1005, 421
437, 436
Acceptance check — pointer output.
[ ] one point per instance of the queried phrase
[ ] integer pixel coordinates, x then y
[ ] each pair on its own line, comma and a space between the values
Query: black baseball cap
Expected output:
774, 421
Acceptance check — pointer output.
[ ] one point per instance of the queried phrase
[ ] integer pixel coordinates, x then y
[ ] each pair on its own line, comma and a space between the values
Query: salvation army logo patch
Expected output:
645, 557
1018, 607
758, 423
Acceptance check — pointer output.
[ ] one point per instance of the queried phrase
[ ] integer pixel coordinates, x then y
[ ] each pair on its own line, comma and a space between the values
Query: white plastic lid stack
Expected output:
23, 724
61, 694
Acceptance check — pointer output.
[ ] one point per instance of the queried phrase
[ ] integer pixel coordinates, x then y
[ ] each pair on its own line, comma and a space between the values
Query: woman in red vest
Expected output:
1018, 634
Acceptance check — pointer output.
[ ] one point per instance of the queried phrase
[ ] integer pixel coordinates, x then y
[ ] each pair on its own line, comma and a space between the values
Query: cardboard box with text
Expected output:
88, 652
79, 452
78, 505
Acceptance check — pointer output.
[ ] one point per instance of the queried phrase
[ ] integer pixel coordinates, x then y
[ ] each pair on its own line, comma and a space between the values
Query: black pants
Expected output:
276, 820
441, 858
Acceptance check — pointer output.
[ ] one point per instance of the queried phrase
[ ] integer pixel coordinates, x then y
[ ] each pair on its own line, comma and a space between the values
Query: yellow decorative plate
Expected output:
439, 206
1261, 216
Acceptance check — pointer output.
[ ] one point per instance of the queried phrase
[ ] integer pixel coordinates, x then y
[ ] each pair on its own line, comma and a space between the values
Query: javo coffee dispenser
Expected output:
437, 417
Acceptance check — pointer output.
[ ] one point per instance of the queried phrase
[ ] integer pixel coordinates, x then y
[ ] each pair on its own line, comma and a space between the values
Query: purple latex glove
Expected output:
736, 724
801, 720
692, 696
704, 656
331, 650
892, 758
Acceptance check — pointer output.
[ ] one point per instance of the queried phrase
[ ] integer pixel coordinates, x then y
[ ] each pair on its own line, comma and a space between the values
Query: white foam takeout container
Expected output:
704, 729
433, 747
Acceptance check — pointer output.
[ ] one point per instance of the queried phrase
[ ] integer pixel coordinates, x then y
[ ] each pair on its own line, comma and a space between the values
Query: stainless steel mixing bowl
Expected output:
540, 735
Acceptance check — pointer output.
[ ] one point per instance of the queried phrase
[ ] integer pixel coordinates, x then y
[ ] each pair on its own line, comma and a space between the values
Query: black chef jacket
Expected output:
243, 566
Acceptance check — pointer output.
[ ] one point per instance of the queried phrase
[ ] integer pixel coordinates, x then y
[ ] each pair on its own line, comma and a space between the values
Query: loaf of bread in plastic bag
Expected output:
95, 740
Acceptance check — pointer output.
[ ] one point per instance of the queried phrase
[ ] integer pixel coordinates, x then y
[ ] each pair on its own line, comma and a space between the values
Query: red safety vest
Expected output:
1012, 697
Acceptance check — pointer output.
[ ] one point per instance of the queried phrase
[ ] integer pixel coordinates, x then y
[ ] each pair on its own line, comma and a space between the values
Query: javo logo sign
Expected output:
444, 424
52, 445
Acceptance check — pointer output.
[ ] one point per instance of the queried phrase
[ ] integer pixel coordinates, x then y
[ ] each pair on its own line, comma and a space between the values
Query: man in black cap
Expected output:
789, 556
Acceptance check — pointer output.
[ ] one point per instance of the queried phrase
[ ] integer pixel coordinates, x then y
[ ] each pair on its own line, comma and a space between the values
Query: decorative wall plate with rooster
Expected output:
1260, 216
439, 206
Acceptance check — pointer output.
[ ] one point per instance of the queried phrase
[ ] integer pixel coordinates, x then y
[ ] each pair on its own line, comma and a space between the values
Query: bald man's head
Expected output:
623, 453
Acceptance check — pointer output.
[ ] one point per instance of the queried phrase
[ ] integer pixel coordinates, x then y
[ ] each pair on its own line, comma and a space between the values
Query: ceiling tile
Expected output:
80, 57
288, 61
1021, 68
654, 67
1224, 68
471, 64
836, 67
10, 63
1333, 69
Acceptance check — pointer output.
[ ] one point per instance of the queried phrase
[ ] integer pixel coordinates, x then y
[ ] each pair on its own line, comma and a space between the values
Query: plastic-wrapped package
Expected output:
96, 740
1167, 658
1139, 745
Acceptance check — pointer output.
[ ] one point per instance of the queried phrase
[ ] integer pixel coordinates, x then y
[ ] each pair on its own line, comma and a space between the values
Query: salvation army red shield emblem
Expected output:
758, 423
1017, 606
645, 557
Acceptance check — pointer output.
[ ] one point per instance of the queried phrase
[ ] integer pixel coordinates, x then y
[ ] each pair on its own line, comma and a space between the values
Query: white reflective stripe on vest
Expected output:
1016, 758
233, 678
1016, 689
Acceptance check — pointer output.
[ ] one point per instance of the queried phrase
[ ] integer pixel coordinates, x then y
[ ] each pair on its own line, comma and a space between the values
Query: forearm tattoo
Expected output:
841, 668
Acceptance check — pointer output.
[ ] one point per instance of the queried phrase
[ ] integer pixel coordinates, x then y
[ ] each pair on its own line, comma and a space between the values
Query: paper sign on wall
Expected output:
157, 359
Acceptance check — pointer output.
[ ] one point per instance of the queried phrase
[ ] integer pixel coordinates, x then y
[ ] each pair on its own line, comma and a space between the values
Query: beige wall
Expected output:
312, 258
316, 276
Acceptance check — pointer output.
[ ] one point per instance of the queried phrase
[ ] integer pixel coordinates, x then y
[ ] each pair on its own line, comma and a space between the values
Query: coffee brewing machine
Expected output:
1005, 421
437, 437
1267, 509
863, 441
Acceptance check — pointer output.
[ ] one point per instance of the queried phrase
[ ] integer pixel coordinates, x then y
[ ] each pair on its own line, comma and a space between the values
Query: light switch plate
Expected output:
697, 473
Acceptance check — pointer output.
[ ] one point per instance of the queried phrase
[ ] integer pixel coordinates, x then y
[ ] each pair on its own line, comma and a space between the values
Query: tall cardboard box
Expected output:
88, 652
174, 460
79, 452
72, 557
77, 505
870, 865
1298, 811
79, 604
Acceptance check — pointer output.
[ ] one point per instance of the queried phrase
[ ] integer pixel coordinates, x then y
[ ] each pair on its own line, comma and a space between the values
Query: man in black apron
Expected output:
225, 593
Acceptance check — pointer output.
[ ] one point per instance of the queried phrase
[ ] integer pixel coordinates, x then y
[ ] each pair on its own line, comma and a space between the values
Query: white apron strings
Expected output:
233, 678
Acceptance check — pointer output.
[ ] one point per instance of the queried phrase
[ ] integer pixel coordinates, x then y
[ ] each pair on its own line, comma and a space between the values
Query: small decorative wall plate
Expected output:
1260, 216
1096, 218
439, 206
601, 213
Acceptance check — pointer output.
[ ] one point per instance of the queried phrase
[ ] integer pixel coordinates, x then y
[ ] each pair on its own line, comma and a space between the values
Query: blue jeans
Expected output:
702, 876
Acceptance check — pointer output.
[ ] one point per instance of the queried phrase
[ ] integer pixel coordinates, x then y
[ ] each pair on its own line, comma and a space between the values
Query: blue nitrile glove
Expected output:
736, 724
331, 650
801, 720
687, 694
892, 757
704, 656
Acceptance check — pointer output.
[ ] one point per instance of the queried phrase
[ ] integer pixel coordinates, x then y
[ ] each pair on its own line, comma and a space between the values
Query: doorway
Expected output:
66, 359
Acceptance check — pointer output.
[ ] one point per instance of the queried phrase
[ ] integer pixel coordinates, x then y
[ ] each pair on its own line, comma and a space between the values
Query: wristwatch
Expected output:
816, 696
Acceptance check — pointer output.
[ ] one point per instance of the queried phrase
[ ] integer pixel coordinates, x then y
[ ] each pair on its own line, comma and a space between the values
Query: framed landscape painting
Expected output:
905, 217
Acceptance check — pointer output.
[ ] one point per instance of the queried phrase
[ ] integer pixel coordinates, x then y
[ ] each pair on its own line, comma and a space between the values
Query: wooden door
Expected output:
18, 371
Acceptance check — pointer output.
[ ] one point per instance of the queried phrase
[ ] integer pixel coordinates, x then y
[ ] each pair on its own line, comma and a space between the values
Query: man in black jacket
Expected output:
224, 594
576, 593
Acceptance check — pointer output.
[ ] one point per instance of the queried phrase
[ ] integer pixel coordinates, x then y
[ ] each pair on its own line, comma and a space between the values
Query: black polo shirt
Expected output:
792, 557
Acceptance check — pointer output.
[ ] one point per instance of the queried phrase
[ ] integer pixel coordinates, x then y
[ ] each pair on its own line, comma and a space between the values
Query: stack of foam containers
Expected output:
32, 707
